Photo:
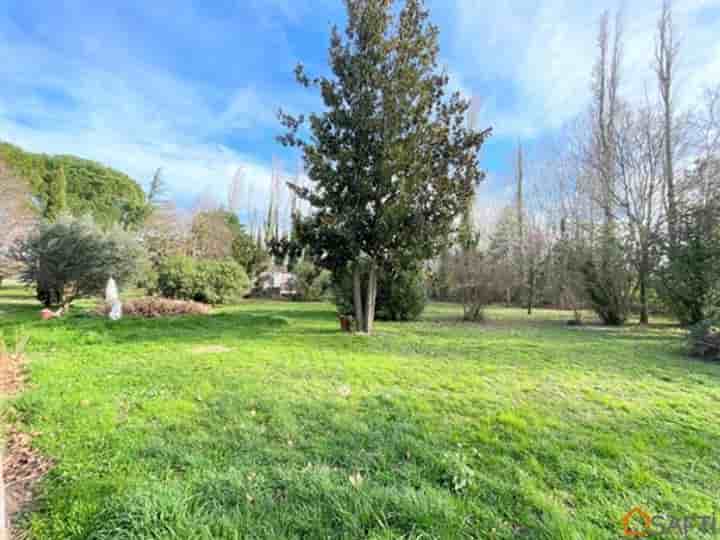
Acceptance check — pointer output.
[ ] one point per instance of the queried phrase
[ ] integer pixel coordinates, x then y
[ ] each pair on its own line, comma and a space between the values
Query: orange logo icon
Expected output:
647, 523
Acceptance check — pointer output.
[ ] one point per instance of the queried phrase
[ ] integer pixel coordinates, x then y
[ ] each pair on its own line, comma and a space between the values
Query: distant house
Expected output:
277, 282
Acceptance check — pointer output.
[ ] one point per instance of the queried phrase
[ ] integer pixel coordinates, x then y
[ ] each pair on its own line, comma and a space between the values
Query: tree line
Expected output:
622, 212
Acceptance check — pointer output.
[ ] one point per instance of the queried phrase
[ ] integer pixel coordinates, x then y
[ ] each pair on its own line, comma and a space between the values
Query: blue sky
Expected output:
193, 86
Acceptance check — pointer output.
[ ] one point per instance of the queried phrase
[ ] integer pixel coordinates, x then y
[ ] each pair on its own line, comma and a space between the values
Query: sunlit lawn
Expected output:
264, 421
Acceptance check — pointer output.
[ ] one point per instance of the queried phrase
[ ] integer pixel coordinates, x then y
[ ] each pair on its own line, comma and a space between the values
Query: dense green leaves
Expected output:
208, 281
688, 276
391, 159
111, 197
402, 294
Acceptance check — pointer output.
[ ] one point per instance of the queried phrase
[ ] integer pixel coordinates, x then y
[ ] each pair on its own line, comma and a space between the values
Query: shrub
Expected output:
154, 307
176, 277
220, 282
609, 283
688, 277
73, 258
249, 255
705, 340
401, 294
211, 282
311, 283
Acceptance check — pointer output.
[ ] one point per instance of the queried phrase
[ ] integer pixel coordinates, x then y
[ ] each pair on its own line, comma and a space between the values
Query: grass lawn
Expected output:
264, 421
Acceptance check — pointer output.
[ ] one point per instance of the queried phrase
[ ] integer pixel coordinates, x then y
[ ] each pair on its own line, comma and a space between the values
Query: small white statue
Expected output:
112, 297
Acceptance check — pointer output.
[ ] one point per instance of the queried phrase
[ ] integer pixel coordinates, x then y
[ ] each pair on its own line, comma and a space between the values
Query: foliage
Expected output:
457, 432
73, 258
111, 197
311, 282
208, 281
391, 160
438, 278
402, 295
688, 277
55, 189
249, 255
609, 282
153, 307
285, 250
218, 234
705, 339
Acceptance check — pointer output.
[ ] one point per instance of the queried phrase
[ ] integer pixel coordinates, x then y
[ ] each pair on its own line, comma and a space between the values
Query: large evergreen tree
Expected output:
391, 158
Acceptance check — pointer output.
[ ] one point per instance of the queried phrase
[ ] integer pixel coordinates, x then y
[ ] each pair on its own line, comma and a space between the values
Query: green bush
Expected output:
74, 258
705, 339
207, 281
312, 284
402, 295
176, 277
687, 278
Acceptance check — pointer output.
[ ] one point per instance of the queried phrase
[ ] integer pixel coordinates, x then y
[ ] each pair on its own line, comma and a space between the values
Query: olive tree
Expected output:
73, 258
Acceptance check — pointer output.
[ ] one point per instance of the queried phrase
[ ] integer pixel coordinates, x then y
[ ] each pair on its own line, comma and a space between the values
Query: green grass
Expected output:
517, 428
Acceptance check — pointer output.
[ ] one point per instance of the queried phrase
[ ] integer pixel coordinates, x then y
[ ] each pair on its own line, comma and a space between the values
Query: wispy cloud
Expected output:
533, 60
197, 92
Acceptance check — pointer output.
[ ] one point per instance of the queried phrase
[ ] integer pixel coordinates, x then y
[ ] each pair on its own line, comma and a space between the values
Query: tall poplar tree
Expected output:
391, 160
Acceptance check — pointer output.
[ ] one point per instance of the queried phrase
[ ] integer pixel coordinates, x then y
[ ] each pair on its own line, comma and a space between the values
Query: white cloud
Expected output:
537, 57
131, 117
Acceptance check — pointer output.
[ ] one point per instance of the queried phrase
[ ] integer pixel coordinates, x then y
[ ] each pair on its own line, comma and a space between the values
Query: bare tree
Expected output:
605, 108
706, 126
521, 240
640, 188
666, 53
235, 191
158, 188
609, 280
16, 216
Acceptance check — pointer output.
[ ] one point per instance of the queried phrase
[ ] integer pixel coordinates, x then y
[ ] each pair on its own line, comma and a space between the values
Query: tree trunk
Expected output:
643, 278
370, 300
531, 290
357, 298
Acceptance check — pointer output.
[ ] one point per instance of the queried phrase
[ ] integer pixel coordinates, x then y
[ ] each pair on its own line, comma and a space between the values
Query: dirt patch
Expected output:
22, 465
11, 377
23, 468
210, 349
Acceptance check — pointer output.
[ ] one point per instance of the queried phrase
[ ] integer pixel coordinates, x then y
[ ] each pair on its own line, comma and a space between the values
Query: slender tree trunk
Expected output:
370, 300
643, 278
644, 316
531, 289
357, 297
665, 59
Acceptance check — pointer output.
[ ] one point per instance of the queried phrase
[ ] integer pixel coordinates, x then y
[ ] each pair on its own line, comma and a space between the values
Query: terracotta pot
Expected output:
345, 324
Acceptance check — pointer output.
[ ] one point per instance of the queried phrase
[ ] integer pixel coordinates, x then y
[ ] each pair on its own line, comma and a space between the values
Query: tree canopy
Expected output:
78, 186
391, 159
